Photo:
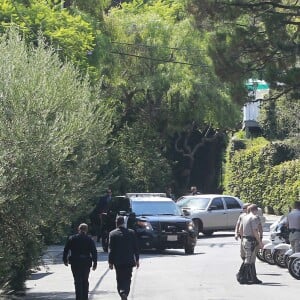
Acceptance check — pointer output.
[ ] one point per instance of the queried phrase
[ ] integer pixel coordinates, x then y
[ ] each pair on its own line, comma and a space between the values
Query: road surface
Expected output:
209, 274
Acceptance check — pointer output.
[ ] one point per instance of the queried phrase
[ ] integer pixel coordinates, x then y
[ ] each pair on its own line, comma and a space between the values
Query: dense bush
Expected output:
52, 144
265, 173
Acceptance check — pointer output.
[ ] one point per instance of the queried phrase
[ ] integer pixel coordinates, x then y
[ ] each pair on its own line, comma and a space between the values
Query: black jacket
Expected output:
123, 247
83, 250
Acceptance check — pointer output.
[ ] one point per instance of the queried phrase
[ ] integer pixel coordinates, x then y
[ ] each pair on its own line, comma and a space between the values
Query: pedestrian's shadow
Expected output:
37, 276
49, 296
273, 284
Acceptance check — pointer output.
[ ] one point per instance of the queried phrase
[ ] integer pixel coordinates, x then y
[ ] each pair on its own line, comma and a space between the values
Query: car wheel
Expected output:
161, 249
189, 249
294, 267
208, 233
267, 255
278, 257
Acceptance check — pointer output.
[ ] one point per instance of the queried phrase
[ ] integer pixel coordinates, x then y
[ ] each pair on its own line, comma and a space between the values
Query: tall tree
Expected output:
161, 74
253, 39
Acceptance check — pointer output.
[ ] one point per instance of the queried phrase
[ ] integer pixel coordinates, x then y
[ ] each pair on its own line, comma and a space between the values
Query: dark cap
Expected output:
120, 220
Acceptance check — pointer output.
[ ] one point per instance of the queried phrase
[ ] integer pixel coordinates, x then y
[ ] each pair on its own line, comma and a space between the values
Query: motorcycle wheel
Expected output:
267, 255
278, 257
286, 260
259, 255
294, 267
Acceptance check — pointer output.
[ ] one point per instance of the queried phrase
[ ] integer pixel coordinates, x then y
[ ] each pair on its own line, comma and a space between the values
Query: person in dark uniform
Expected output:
252, 241
96, 216
80, 251
123, 255
293, 221
169, 193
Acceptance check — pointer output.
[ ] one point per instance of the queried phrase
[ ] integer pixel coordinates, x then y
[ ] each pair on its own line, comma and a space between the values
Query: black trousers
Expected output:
123, 274
81, 274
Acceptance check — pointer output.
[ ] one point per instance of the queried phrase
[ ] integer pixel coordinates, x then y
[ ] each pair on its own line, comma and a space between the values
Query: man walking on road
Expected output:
83, 256
123, 255
250, 231
293, 220
237, 233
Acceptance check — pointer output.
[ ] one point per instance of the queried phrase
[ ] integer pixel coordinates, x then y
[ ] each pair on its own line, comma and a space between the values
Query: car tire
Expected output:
189, 249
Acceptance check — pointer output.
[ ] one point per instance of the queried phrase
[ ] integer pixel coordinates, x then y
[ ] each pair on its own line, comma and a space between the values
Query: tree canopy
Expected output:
253, 39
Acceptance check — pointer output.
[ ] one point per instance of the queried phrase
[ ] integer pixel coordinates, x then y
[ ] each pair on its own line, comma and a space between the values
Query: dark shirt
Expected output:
103, 203
82, 249
123, 247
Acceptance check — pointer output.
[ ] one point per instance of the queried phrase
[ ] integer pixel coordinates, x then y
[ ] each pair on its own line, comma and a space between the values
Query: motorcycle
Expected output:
294, 265
260, 252
273, 252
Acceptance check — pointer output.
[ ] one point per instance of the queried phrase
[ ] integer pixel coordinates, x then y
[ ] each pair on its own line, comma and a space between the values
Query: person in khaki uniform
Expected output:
251, 235
293, 221
237, 233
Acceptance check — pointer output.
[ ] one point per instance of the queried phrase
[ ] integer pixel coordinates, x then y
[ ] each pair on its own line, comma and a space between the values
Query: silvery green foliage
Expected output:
53, 136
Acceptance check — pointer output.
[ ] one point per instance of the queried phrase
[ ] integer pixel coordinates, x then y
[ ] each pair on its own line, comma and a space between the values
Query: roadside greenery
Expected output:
52, 146
137, 95
263, 172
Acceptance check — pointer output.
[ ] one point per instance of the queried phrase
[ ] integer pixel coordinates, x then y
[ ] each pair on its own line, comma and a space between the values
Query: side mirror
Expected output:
185, 212
212, 207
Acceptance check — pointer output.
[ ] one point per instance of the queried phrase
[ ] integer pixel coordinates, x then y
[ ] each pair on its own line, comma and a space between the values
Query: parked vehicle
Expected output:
294, 265
211, 212
274, 251
157, 221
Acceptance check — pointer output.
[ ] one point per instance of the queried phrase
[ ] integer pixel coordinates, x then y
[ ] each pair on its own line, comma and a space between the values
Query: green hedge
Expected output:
265, 173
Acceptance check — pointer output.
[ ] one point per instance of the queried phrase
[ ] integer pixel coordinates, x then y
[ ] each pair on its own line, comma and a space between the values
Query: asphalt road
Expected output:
209, 274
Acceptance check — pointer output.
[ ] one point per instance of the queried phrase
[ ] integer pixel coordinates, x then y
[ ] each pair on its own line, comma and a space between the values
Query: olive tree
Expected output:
53, 144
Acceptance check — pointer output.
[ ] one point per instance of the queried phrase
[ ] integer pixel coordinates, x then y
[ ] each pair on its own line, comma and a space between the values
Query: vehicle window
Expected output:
119, 204
231, 203
194, 203
148, 208
218, 203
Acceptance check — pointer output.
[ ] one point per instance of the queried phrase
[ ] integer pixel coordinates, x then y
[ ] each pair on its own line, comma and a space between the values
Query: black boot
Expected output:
254, 279
244, 274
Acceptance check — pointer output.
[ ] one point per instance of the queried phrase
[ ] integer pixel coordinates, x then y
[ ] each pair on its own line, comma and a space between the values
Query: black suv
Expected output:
157, 221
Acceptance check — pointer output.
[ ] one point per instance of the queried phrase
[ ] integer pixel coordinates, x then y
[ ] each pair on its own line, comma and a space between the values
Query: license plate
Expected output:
172, 238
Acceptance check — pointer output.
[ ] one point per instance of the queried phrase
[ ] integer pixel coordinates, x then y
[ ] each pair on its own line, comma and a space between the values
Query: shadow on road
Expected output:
37, 276
273, 284
49, 296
